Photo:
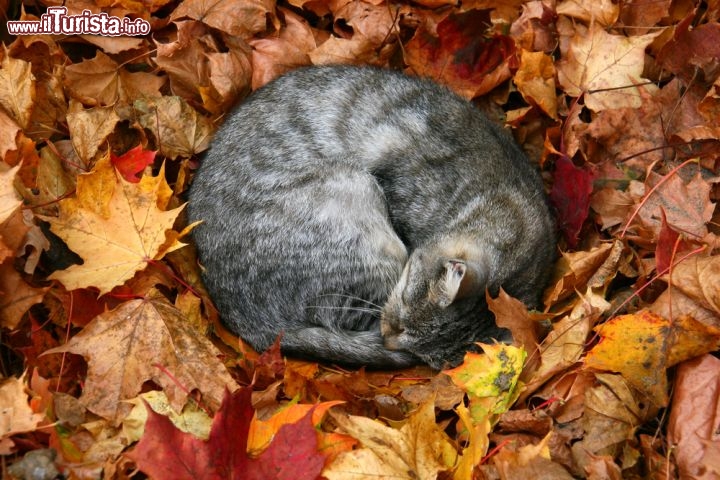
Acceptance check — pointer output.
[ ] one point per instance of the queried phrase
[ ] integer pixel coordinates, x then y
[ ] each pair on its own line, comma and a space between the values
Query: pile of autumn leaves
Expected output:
99, 140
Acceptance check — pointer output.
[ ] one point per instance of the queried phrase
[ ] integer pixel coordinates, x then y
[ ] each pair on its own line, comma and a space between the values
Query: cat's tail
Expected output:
344, 347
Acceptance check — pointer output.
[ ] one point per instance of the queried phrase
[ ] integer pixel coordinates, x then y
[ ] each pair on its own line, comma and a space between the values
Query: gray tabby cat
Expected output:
362, 214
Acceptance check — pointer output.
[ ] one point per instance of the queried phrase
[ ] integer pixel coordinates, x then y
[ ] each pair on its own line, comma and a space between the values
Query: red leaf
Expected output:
164, 452
131, 163
571, 197
459, 57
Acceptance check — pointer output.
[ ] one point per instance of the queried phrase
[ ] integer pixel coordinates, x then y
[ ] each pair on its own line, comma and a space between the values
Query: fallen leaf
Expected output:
238, 19
115, 236
642, 346
570, 195
692, 416
16, 416
102, 82
192, 419
8, 132
604, 12
90, 128
535, 80
9, 199
687, 206
598, 63
17, 89
456, 56
164, 452
178, 128
133, 162
262, 432
145, 339
697, 277
419, 449
530, 461
493, 374
693, 48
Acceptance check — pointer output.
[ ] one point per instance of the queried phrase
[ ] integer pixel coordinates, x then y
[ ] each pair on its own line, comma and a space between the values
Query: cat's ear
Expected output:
457, 280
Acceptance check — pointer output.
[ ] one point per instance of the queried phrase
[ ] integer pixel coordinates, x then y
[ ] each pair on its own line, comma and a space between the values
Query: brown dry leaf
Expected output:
16, 296
141, 340
117, 227
185, 60
17, 89
604, 12
574, 270
687, 206
113, 45
90, 128
16, 416
564, 346
612, 414
230, 76
53, 183
512, 314
530, 461
372, 21
698, 277
694, 413
642, 346
419, 449
612, 206
535, 80
273, 56
239, 19
357, 50
631, 135
101, 81
597, 63
178, 128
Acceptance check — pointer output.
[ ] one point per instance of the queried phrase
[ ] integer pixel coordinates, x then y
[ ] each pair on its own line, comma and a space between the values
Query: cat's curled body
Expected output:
334, 191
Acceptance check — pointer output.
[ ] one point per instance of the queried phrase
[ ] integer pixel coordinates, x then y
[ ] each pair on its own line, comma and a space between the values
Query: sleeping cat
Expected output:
362, 214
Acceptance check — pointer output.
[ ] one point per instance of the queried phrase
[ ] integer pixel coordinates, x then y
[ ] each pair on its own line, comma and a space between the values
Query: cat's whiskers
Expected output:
340, 307
352, 297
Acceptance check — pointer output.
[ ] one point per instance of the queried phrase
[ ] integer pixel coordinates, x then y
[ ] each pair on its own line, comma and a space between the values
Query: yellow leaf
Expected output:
605, 68
192, 419
418, 450
641, 346
535, 80
115, 226
477, 445
493, 374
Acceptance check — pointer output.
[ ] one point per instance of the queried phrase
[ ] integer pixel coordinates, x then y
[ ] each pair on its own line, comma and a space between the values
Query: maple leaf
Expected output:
570, 195
597, 63
164, 452
116, 226
419, 449
692, 48
242, 19
690, 424
17, 89
145, 339
530, 461
9, 200
641, 346
90, 128
8, 132
687, 206
604, 12
101, 81
132, 163
535, 80
178, 128
16, 416
458, 57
